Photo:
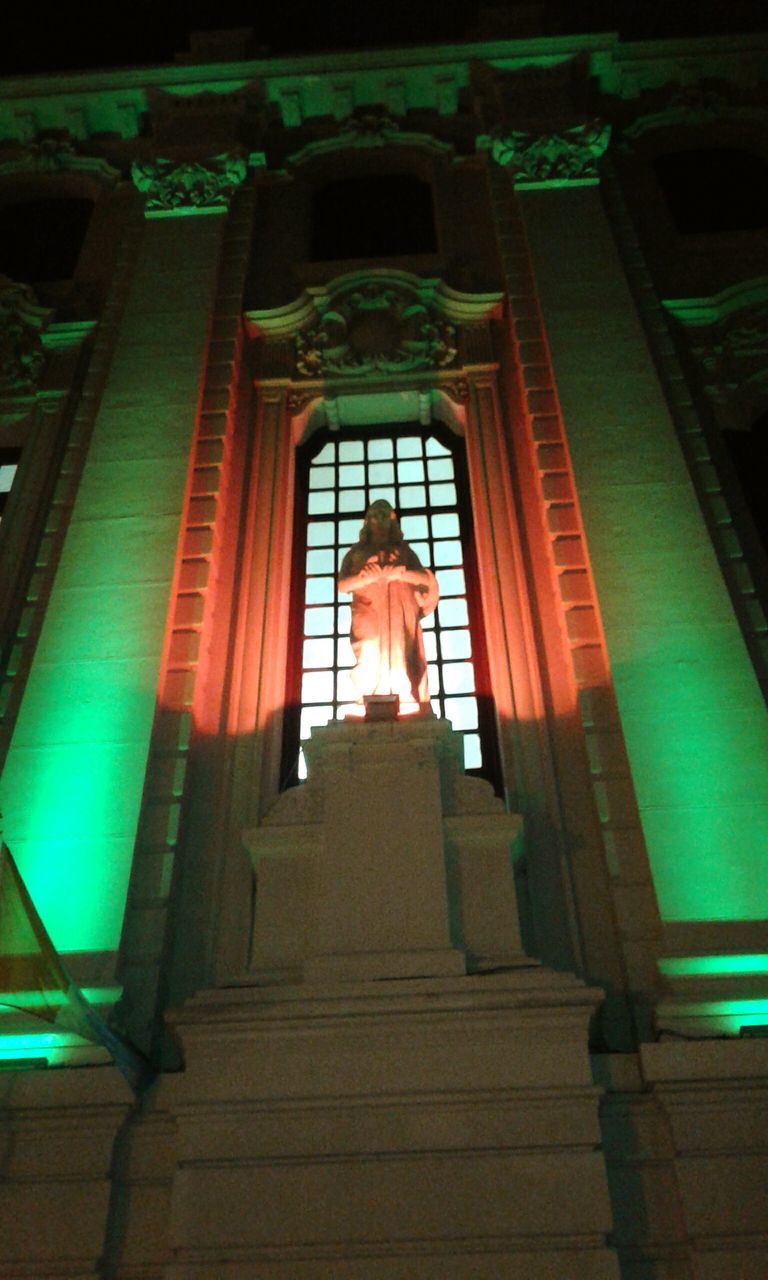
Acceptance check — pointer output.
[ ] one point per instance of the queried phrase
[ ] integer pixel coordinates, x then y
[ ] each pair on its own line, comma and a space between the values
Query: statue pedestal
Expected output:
388, 863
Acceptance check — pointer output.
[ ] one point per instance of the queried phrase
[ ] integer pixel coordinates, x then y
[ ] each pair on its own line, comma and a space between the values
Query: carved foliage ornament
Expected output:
53, 151
733, 354
21, 349
375, 327
173, 186
552, 159
369, 127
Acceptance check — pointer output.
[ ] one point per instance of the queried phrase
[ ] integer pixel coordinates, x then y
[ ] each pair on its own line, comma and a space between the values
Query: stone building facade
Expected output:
489, 1001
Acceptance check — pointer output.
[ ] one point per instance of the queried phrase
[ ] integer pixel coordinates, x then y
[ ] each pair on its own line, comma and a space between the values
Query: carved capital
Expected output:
22, 320
176, 187
566, 158
375, 326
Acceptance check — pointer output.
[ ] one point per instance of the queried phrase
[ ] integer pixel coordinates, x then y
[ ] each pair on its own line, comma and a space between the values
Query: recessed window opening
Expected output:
714, 190
41, 240
422, 474
372, 216
749, 453
9, 465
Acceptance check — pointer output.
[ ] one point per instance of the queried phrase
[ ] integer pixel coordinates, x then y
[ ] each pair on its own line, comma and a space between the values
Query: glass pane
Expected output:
352, 500
430, 646
448, 552
451, 582
440, 468
455, 644
428, 622
462, 712
318, 653
349, 531
7, 472
321, 533
381, 473
311, 716
409, 447
344, 620
458, 677
442, 495
302, 771
351, 475
351, 451
345, 690
445, 526
326, 454
318, 622
322, 477
473, 757
434, 679
410, 472
435, 449
382, 492
414, 527
422, 550
344, 655
317, 686
414, 495
320, 561
321, 504
378, 449
320, 591
453, 613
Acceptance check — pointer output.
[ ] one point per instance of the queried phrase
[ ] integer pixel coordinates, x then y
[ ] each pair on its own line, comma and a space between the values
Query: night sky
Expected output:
78, 35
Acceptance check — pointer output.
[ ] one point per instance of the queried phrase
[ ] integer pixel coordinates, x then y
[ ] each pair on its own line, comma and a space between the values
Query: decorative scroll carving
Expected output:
375, 326
551, 159
22, 320
53, 151
368, 127
175, 187
733, 355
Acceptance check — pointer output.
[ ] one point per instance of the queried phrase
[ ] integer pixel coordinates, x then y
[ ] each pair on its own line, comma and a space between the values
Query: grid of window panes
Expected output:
416, 474
9, 464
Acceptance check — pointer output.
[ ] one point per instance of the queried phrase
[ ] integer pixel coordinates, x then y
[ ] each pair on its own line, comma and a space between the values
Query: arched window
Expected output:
372, 215
40, 240
422, 473
717, 189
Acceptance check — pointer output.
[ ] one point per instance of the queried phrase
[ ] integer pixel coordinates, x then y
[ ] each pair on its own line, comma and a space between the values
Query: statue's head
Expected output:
381, 523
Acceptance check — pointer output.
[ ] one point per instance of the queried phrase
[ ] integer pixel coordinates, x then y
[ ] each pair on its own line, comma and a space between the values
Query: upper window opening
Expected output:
9, 465
373, 216
715, 190
749, 452
40, 240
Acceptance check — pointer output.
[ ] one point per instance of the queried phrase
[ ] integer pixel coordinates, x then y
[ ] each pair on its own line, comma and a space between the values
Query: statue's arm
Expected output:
347, 581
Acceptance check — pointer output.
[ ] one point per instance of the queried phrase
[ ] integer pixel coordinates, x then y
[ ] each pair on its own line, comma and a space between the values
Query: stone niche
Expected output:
388, 863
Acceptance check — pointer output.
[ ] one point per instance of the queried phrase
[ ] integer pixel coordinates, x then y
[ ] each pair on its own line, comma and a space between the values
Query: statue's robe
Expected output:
386, 633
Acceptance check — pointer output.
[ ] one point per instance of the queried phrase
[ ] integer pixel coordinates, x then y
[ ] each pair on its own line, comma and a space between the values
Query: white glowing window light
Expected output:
9, 465
417, 475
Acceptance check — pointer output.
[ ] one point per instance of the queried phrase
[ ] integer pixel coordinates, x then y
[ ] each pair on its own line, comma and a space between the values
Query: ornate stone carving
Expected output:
551, 159
457, 390
53, 151
368, 127
191, 186
21, 350
375, 326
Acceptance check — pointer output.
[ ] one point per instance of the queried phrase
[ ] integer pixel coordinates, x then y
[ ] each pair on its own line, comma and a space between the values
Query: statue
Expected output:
391, 593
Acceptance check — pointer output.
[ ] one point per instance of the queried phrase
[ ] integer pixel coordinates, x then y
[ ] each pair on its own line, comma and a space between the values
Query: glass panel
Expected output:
344, 655
462, 712
445, 526
440, 468
414, 495
320, 591
351, 475
351, 451
7, 472
428, 622
349, 531
381, 473
311, 716
318, 622
317, 686
435, 449
321, 533
455, 644
422, 550
434, 679
321, 504
453, 613
378, 449
302, 770
326, 454
458, 677
352, 500
383, 492
409, 447
473, 757
322, 477
410, 472
448, 552
318, 653
442, 495
430, 646
344, 620
451, 582
345, 690
414, 527
320, 562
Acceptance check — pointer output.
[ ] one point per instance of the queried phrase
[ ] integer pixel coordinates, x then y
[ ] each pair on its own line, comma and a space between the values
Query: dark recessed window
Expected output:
422, 473
40, 240
715, 190
372, 216
9, 465
749, 452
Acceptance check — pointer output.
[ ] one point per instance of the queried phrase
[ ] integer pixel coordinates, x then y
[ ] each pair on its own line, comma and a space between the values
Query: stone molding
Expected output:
567, 158
691, 106
176, 187
367, 127
54, 152
22, 319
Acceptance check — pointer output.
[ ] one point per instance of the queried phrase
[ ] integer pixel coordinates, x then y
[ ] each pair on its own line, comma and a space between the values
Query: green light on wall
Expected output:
712, 966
